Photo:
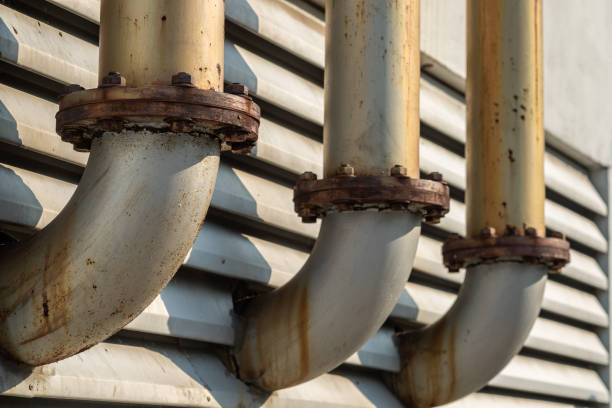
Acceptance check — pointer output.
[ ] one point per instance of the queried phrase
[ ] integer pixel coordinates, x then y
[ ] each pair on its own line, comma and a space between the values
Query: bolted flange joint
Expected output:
553, 251
347, 192
232, 117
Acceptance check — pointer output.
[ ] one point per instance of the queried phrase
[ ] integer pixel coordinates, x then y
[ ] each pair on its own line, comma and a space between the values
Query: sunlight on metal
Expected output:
138, 207
498, 303
361, 260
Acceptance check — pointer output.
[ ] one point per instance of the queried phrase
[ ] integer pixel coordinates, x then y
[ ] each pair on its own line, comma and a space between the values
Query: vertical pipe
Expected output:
372, 76
362, 259
505, 135
148, 41
498, 303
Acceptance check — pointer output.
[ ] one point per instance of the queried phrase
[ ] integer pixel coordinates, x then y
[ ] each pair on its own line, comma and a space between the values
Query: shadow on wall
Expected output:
8, 126
9, 46
18, 204
241, 10
12, 374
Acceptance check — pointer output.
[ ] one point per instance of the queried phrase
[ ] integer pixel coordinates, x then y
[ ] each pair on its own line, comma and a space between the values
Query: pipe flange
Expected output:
346, 192
553, 251
231, 117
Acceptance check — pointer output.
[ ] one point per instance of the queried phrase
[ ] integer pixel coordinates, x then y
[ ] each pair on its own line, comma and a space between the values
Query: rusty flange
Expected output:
231, 117
346, 192
489, 248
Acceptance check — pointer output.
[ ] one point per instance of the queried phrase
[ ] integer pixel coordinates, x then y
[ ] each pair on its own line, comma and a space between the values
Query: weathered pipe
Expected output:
361, 260
498, 303
136, 211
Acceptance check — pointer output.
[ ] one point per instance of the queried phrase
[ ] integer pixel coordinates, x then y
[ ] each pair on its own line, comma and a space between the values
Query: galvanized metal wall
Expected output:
169, 355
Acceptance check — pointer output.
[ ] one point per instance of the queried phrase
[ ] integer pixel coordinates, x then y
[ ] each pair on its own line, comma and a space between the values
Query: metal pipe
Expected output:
372, 72
505, 134
486, 326
138, 206
362, 259
498, 303
148, 41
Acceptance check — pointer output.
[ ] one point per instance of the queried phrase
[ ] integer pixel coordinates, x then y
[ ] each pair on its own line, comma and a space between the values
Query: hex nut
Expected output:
308, 176
487, 232
345, 170
557, 234
237, 88
112, 79
183, 79
531, 232
398, 171
435, 176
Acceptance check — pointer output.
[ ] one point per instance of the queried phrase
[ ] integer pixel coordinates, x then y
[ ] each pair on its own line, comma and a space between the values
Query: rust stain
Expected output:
511, 156
428, 375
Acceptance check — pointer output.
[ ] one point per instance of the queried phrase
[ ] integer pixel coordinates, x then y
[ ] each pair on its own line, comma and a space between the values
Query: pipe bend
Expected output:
338, 300
487, 326
118, 241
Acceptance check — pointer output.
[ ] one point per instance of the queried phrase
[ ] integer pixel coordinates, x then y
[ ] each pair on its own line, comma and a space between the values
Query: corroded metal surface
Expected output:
483, 330
359, 266
500, 298
505, 133
372, 86
107, 255
489, 248
362, 259
346, 192
86, 114
149, 41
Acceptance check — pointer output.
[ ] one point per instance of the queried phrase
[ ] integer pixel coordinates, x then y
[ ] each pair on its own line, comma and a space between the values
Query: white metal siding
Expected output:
168, 355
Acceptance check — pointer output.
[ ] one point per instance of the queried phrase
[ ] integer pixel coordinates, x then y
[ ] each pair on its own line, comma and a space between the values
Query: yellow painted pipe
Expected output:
505, 135
148, 41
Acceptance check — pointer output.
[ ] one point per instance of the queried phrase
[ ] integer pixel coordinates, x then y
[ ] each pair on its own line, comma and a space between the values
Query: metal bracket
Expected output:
460, 253
233, 117
346, 192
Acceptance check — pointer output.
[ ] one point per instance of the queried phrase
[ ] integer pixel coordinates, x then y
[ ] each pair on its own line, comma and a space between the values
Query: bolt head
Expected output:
113, 79
432, 219
557, 234
487, 232
453, 267
183, 79
435, 176
345, 170
308, 176
237, 88
398, 171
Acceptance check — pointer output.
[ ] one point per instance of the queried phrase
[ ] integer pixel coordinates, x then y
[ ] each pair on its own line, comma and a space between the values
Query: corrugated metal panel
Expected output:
254, 197
198, 307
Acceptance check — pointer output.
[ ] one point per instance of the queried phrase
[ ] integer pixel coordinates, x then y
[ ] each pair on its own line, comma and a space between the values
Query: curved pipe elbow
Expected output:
339, 299
473, 342
116, 244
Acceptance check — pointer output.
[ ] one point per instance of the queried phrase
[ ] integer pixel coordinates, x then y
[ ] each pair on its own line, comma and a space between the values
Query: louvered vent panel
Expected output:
169, 354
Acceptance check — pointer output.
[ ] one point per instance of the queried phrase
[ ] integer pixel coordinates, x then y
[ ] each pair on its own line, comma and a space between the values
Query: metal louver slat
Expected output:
297, 95
248, 198
169, 375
